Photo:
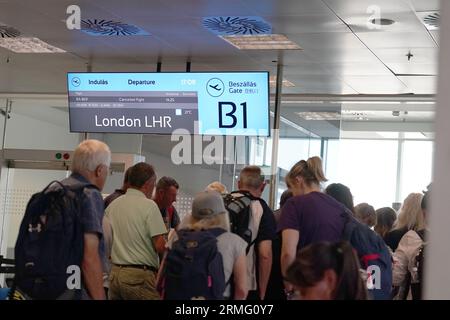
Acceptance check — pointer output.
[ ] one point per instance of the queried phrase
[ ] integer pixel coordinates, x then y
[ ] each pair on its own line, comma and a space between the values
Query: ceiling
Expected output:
342, 53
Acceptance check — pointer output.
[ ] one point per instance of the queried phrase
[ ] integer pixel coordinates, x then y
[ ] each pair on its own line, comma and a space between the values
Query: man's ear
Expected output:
263, 185
98, 170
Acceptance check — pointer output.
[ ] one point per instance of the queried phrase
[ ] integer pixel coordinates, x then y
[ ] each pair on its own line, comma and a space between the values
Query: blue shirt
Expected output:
92, 208
91, 215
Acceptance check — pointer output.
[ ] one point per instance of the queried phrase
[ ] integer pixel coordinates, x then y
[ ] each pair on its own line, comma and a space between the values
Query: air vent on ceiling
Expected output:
430, 19
8, 32
102, 27
237, 25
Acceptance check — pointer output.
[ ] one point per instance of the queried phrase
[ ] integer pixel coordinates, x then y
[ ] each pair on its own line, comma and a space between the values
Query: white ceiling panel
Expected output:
357, 68
333, 59
307, 24
435, 35
203, 8
399, 55
168, 26
339, 55
287, 7
421, 84
426, 5
414, 68
327, 41
403, 22
397, 39
316, 84
24, 74
376, 84
349, 7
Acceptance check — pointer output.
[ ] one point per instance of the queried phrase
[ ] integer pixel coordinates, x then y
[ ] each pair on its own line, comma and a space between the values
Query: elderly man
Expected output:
262, 226
90, 165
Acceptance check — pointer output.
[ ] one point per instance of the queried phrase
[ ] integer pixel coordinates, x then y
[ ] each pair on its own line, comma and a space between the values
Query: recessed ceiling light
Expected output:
319, 115
262, 42
382, 22
28, 45
286, 83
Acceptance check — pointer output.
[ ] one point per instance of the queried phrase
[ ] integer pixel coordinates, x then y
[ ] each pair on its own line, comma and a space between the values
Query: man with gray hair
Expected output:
260, 230
59, 248
90, 165
90, 169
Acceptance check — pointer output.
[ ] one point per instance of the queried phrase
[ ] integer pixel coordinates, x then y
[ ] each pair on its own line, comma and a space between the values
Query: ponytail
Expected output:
311, 171
350, 284
315, 167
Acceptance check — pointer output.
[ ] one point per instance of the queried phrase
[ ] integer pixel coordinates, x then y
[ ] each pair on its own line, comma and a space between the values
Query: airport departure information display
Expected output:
223, 103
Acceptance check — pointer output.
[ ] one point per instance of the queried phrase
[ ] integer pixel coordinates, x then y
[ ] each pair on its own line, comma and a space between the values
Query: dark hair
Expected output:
126, 176
285, 196
386, 217
140, 173
166, 182
313, 260
342, 194
310, 170
365, 213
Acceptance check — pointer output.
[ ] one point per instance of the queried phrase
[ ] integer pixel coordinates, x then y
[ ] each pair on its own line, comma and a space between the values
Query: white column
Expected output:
437, 278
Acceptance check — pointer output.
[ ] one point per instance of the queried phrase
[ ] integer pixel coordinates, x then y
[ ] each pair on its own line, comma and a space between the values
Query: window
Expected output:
367, 167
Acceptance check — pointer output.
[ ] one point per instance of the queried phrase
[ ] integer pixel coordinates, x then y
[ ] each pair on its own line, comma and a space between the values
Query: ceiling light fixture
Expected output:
262, 42
28, 45
320, 115
382, 22
286, 83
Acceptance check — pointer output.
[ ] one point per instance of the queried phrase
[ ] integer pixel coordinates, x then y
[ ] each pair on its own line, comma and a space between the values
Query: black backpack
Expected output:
373, 255
239, 210
49, 246
193, 269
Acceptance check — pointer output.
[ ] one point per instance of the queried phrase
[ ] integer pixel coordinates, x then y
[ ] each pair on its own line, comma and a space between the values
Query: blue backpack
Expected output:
193, 269
49, 243
373, 255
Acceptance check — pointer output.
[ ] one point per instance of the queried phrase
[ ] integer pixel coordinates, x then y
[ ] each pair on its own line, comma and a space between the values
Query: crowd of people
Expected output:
135, 246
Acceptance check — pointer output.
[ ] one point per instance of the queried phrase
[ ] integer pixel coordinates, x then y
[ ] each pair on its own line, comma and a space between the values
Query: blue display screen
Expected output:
222, 103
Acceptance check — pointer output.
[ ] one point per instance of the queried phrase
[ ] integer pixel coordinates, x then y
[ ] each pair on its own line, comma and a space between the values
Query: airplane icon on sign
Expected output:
76, 82
215, 87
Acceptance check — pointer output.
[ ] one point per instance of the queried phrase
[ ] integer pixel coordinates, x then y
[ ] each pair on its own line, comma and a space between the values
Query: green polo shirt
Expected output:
135, 220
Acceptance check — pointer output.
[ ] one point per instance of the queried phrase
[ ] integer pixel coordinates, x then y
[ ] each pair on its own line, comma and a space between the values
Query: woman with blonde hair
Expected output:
208, 213
407, 272
216, 186
310, 216
410, 217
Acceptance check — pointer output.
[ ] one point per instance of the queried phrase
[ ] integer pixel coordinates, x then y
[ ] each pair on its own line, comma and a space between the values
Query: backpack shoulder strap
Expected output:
216, 231
421, 234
